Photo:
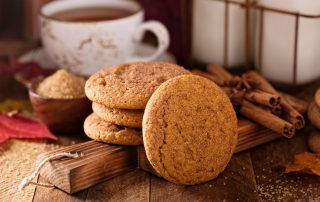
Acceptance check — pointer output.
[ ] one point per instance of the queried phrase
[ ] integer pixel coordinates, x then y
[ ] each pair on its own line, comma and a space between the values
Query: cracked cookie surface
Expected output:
189, 130
129, 86
123, 117
317, 97
100, 130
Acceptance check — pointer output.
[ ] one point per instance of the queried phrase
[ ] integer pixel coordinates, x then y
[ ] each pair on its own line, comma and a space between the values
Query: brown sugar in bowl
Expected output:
60, 115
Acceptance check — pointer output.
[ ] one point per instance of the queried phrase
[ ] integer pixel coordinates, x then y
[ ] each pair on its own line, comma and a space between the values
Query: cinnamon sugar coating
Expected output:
123, 117
100, 130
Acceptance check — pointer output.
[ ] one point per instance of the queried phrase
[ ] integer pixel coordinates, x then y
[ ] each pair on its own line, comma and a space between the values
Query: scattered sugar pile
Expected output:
17, 160
288, 188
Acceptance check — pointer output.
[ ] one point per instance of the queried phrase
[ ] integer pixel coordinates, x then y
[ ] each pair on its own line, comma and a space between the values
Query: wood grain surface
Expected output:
237, 182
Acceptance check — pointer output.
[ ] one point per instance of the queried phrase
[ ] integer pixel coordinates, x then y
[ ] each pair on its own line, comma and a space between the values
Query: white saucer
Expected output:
38, 55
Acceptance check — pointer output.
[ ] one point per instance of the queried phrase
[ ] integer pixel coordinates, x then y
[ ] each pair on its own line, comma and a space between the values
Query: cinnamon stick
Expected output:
252, 111
213, 78
220, 72
298, 104
235, 96
290, 114
263, 98
277, 110
266, 119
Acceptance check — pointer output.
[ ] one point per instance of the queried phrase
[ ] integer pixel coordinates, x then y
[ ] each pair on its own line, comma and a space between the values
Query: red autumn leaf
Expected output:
26, 72
21, 127
3, 134
307, 163
6, 69
19, 105
31, 70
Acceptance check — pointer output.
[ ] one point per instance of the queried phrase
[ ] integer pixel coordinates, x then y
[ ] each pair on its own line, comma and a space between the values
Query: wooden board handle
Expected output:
99, 162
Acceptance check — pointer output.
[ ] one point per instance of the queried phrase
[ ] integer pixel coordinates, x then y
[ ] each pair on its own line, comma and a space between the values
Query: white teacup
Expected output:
86, 47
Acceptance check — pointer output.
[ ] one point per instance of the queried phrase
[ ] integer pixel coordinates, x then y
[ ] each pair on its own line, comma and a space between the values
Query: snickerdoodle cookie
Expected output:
189, 130
314, 141
123, 117
317, 97
314, 114
129, 86
103, 131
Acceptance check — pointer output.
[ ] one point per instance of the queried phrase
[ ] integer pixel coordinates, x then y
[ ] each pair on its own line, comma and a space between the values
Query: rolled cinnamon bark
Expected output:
298, 104
254, 112
235, 96
218, 71
277, 110
263, 98
213, 78
290, 114
266, 119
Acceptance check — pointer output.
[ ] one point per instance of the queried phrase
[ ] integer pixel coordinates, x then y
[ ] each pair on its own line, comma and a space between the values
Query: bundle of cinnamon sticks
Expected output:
256, 99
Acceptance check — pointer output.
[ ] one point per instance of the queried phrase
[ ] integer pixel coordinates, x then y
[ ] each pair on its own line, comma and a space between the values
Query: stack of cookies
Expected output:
314, 117
119, 95
189, 124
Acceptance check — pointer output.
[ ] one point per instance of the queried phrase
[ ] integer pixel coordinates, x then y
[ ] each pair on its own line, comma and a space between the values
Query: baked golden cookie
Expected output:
189, 130
314, 115
129, 86
317, 97
103, 131
314, 141
123, 117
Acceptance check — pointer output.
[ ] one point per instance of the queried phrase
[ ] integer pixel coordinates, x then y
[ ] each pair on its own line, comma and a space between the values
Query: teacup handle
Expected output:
161, 33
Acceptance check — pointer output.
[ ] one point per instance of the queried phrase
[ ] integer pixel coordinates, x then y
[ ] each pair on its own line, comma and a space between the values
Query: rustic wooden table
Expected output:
252, 175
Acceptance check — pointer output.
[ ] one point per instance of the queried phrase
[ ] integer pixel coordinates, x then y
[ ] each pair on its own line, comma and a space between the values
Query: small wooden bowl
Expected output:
60, 115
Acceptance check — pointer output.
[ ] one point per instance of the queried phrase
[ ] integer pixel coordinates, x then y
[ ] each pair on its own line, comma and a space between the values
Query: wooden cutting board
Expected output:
102, 161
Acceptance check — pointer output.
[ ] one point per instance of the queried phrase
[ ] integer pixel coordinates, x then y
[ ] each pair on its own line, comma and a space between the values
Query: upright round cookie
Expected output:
189, 130
100, 130
123, 117
317, 97
129, 86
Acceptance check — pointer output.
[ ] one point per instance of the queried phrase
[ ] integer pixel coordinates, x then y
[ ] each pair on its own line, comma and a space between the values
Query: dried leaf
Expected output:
6, 69
22, 127
30, 71
10, 105
306, 162
26, 72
